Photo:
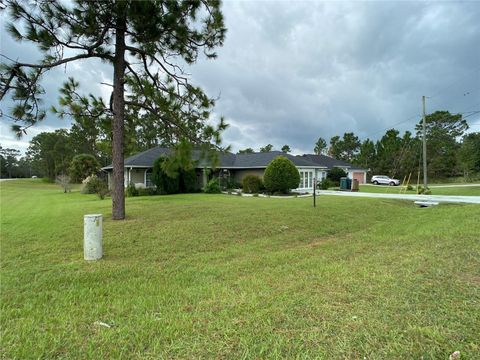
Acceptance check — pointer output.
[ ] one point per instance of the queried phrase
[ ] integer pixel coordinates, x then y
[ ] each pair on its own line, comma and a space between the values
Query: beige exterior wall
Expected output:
137, 176
240, 174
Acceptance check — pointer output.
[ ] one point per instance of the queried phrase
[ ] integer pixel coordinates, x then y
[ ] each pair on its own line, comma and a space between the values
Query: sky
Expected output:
291, 72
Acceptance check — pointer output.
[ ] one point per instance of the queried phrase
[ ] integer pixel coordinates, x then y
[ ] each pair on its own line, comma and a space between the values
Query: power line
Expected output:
419, 116
456, 81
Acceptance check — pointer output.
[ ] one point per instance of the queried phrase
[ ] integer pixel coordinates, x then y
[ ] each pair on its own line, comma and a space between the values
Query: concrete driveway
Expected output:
437, 198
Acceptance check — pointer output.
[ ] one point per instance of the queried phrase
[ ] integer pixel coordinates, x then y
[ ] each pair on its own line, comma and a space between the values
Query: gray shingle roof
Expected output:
239, 161
327, 161
262, 159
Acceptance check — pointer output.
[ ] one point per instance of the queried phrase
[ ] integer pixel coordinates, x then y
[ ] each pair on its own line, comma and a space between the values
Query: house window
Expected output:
306, 180
148, 178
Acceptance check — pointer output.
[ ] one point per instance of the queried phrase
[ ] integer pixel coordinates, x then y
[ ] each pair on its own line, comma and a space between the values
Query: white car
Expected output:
385, 180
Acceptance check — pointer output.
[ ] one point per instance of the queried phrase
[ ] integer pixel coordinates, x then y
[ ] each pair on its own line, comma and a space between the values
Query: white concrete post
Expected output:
92, 237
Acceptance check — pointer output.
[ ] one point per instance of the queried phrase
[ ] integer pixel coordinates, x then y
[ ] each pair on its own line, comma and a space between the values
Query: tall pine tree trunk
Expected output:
118, 189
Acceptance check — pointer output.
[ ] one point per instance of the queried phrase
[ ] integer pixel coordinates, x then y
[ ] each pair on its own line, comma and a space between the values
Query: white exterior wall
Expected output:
306, 185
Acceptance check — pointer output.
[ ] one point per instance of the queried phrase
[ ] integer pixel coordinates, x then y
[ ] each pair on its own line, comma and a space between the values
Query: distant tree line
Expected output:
450, 150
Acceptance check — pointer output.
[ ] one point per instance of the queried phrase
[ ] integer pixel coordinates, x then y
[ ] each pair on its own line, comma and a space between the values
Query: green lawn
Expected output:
218, 276
458, 190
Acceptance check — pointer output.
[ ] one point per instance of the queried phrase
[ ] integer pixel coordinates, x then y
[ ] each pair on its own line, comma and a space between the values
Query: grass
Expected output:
459, 190
217, 276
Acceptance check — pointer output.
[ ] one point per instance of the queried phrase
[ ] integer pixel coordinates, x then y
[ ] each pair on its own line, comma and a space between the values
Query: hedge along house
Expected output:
234, 167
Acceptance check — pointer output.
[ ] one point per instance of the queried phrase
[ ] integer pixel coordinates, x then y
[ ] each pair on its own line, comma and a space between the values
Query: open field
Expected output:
450, 190
217, 276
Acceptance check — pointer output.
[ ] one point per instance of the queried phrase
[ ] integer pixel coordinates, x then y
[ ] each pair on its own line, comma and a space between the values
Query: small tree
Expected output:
281, 175
286, 149
335, 173
64, 182
320, 146
82, 166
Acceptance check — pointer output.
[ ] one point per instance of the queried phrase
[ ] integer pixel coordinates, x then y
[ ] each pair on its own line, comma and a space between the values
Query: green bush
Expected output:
95, 185
252, 184
232, 184
325, 184
131, 190
334, 174
424, 191
164, 183
213, 186
281, 175
188, 181
82, 166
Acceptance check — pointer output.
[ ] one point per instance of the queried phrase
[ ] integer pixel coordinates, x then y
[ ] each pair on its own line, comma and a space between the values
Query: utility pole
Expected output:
424, 126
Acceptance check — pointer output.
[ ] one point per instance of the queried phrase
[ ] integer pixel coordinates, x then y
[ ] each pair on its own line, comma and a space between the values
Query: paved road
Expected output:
438, 198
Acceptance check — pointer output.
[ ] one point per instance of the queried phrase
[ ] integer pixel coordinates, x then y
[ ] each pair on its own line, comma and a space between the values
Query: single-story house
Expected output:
138, 168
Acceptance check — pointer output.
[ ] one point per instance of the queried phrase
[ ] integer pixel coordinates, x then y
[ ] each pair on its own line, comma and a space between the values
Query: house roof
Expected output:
327, 161
262, 159
146, 159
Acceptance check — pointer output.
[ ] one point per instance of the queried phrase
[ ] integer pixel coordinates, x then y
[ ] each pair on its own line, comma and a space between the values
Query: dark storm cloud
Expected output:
291, 72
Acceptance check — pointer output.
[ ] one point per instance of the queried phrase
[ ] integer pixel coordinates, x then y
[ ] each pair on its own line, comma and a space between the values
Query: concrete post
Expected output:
92, 237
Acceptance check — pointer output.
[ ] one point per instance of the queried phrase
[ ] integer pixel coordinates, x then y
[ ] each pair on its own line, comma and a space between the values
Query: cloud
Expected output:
289, 73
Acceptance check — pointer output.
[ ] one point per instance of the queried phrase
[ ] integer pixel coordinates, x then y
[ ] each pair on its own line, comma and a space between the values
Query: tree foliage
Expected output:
469, 154
82, 166
286, 149
51, 152
144, 41
320, 146
246, 151
442, 131
266, 148
345, 148
281, 175
335, 173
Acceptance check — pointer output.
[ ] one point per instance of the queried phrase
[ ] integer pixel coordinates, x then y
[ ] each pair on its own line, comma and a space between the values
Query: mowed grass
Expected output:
450, 190
218, 276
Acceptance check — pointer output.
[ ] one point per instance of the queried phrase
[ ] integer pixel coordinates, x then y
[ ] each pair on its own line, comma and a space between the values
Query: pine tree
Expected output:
144, 41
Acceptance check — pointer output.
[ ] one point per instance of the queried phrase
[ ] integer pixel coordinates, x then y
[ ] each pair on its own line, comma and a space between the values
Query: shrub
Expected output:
64, 182
95, 185
281, 175
188, 181
164, 183
334, 174
424, 191
252, 184
131, 190
213, 186
232, 184
325, 184
410, 188
82, 166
